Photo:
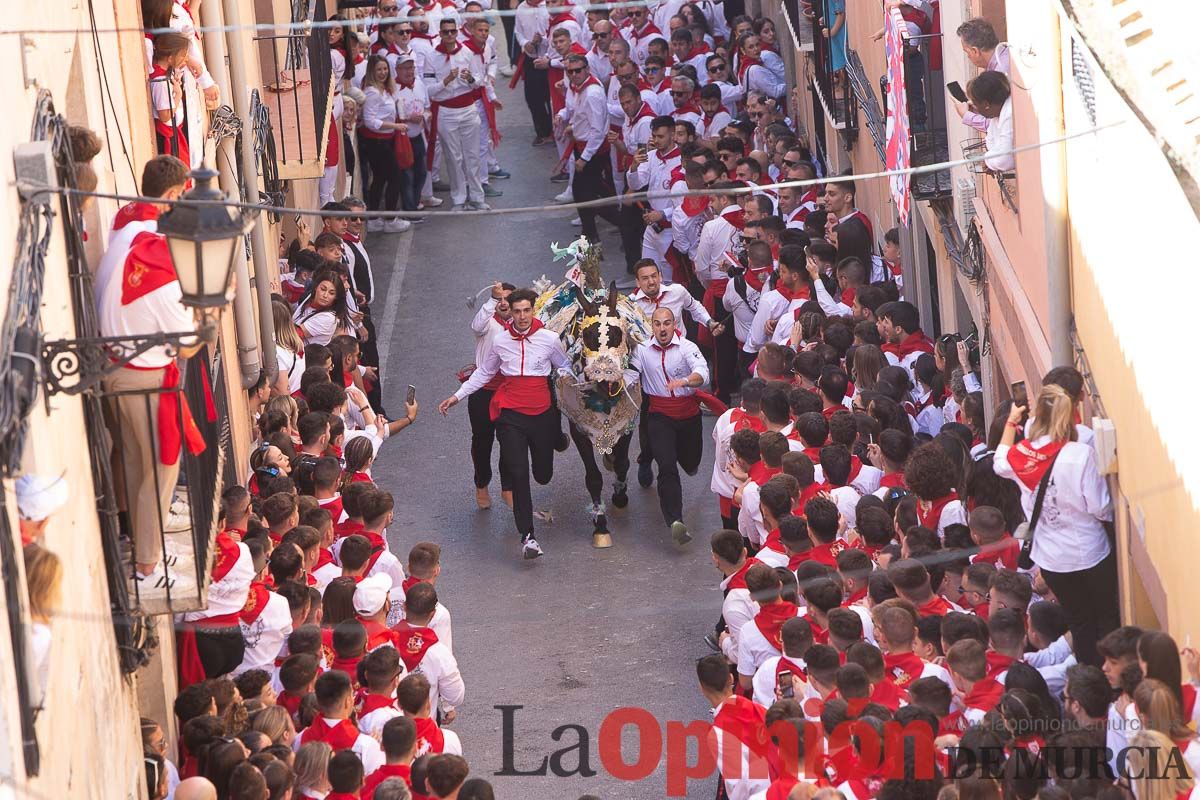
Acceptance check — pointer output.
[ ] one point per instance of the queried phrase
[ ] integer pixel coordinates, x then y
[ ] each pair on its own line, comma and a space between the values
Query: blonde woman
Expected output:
311, 768
276, 723
1158, 710
289, 350
868, 360
381, 124
43, 577
1153, 776
1070, 538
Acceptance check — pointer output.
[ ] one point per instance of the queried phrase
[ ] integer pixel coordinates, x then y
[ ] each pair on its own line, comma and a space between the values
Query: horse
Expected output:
600, 397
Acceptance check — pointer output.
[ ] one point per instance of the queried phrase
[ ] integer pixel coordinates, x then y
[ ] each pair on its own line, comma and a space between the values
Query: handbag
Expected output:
402, 145
1025, 530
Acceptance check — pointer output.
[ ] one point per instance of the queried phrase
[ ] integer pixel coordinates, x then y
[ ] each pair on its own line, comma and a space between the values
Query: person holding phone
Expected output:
1071, 544
985, 51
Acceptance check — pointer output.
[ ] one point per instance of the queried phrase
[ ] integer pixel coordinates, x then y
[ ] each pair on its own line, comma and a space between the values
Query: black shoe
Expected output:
711, 641
530, 549
620, 497
561, 177
564, 443
645, 475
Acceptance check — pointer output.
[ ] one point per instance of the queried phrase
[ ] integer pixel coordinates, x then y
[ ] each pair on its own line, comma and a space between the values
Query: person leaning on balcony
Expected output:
1071, 544
985, 51
991, 96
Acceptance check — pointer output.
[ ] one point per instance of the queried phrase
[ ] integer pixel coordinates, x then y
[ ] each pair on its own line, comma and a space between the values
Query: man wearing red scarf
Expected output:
738, 739
413, 696
796, 638
979, 694
377, 706
399, 740
335, 703
671, 370
143, 298
527, 424
531, 30
896, 633
762, 638
457, 83
775, 307
899, 326
747, 416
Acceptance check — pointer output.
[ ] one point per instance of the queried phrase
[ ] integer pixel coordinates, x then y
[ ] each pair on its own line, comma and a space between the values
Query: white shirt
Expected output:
722, 482
1053, 662
639, 42
743, 309
658, 365
999, 139
711, 129
654, 177
750, 521
413, 102
379, 109
266, 635
750, 777
157, 311
535, 354
772, 306
440, 64
634, 134
753, 649
372, 724
366, 748
765, 680
113, 261
737, 609
485, 326
675, 297
760, 78
716, 238
1069, 536
446, 687
529, 21
587, 113
290, 364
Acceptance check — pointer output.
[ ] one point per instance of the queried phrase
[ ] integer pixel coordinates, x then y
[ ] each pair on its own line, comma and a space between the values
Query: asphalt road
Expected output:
580, 632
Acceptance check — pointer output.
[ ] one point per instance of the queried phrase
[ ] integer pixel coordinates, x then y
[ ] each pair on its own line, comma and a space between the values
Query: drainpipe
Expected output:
1054, 191
248, 167
243, 303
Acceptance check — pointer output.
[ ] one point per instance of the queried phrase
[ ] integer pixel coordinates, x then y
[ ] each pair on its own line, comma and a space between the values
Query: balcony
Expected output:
832, 88
298, 93
799, 26
864, 95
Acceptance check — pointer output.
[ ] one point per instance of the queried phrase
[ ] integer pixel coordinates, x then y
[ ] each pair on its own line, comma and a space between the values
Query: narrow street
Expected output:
579, 632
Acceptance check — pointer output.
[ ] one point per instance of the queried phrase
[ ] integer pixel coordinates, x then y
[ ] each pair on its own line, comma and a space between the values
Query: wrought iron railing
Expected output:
299, 59
832, 87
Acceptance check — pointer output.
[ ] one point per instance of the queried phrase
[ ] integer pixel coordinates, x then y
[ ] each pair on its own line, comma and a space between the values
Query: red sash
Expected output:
525, 394
1030, 463
414, 641
680, 408
770, 618
340, 736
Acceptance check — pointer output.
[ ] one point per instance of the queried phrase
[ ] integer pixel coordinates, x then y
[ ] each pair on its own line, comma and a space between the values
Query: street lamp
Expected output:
204, 240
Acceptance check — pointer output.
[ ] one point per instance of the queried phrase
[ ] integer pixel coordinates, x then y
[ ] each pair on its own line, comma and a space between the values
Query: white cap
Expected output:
405, 58
39, 496
371, 594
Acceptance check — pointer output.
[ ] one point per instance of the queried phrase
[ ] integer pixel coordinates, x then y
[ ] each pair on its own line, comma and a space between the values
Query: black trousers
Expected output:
674, 443
591, 183
483, 433
526, 441
593, 476
537, 97
510, 23
729, 377
1090, 599
386, 180
220, 649
632, 230
369, 354
364, 168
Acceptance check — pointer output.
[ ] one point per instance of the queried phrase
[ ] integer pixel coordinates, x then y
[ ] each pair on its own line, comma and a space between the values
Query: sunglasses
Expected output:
680, 93
576, 71
791, 163
354, 219
648, 70
716, 67
600, 35
756, 115
448, 31
404, 31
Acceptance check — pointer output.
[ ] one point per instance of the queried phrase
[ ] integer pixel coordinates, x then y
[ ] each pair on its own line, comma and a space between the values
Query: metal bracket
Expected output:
75, 366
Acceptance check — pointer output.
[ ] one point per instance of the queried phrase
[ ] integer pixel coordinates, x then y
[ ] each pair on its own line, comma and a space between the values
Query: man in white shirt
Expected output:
992, 98
671, 370
455, 82
738, 606
335, 703
651, 173
492, 317
479, 40
142, 298
776, 305
585, 118
797, 637
527, 423
266, 622
425, 654
985, 51
532, 32
741, 417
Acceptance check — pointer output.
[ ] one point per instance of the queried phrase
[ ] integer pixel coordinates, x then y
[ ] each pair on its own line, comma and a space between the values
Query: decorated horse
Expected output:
601, 397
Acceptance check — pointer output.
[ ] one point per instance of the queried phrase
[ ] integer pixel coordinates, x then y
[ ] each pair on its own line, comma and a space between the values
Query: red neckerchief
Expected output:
290, 700
401, 771
591, 81
256, 601
410, 582
997, 663
738, 579
785, 664
811, 491
1003, 552
228, 553
981, 610
709, 118
561, 17
905, 668
735, 215
697, 50
915, 342
148, 266
742, 419
757, 276
827, 553
378, 634
937, 607
933, 516
352, 238
533, 328
888, 694
414, 642
348, 528
348, 665
430, 738
984, 695
790, 295
770, 618
645, 112
820, 635
1030, 463
672, 153
441, 48
744, 65
381, 46
689, 107
134, 212
773, 541
813, 453
340, 736
856, 466
374, 702
893, 480
744, 720
646, 30
760, 473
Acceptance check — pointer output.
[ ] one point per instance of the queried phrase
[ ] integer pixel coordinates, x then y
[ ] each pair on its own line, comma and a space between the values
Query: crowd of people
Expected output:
890, 551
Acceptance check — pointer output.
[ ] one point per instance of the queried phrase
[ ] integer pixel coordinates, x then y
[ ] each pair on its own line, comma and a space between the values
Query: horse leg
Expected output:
620, 466
594, 480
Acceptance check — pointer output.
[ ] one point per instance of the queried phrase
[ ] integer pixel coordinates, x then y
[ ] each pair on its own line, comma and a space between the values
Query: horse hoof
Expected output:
601, 540
620, 499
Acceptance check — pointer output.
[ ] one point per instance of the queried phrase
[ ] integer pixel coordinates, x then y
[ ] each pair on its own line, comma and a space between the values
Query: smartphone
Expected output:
1019, 395
412, 395
786, 689
956, 92
298, 219
642, 149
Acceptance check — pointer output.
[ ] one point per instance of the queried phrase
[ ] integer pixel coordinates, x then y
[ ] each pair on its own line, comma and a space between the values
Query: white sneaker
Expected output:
375, 225
566, 196
577, 222
396, 226
432, 202
178, 522
530, 549
478, 205
506, 71
155, 580
180, 506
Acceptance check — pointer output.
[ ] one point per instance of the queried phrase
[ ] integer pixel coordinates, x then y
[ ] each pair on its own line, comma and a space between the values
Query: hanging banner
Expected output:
896, 155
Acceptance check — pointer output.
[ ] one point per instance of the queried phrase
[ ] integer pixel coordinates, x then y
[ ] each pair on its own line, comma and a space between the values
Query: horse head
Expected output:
605, 339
